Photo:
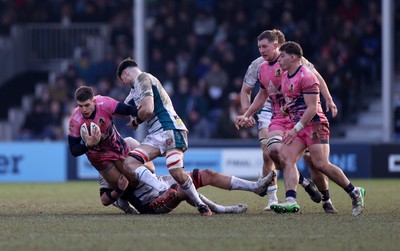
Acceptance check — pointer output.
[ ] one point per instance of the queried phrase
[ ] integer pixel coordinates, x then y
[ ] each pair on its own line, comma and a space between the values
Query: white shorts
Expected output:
166, 140
264, 116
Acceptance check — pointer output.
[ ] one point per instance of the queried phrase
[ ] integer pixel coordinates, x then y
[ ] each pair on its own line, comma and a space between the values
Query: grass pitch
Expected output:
69, 216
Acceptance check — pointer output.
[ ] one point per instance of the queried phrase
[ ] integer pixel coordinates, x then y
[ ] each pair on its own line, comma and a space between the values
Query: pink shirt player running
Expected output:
303, 81
112, 146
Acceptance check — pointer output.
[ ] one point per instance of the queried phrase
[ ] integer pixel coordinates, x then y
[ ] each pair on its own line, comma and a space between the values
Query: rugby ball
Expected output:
84, 128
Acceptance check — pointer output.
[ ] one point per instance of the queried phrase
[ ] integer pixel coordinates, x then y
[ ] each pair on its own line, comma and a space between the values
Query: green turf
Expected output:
70, 216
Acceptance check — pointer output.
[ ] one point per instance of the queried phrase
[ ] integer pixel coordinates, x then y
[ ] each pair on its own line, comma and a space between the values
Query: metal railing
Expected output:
46, 46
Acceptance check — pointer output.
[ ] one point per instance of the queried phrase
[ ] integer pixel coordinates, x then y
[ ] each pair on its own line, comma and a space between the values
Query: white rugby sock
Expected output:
244, 185
191, 191
213, 206
271, 191
143, 174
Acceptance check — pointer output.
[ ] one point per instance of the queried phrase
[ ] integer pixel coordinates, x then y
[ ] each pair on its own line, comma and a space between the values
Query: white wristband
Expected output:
298, 127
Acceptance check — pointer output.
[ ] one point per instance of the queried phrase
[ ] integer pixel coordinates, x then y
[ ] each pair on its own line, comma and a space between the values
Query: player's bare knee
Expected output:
206, 178
318, 166
208, 172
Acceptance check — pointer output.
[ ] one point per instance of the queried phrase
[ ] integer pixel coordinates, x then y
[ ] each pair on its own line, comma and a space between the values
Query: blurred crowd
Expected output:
200, 51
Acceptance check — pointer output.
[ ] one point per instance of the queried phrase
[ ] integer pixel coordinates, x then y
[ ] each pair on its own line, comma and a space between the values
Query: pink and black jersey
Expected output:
303, 81
269, 75
111, 146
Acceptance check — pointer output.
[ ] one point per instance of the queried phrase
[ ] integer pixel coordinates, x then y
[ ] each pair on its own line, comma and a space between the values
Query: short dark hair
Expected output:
292, 48
84, 93
125, 64
272, 36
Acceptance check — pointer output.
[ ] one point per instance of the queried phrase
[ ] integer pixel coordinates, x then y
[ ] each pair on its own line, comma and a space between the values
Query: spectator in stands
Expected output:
193, 34
32, 128
53, 126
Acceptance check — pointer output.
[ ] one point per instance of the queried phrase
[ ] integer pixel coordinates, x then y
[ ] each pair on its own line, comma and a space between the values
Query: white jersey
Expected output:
164, 116
251, 78
143, 192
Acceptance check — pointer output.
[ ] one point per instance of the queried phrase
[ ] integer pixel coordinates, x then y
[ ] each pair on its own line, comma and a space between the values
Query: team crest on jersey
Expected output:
102, 121
278, 73
291, 87
169, 141
314, 135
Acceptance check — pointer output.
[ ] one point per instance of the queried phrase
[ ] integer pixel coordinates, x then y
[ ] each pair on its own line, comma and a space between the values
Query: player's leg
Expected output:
133, 143
209, 177
135, 168
289, 154
274, 144
177, 194
309, 186
319, 155
220, 209
111, 190
174, 160
322, 183
268, 166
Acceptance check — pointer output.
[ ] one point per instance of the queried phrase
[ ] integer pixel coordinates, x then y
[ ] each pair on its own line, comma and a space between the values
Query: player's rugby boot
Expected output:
285, 207
312, 190
264, 183
358, 201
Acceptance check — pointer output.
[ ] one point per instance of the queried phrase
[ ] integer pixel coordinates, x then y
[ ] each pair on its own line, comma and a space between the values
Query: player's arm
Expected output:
245, 101
245, 94
109, 196
258, 102
330, 105
75, 146
146, 106
78, 149
125, 110
311, 101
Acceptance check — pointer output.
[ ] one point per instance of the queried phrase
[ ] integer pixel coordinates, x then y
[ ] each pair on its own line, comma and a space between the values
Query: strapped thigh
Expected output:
174, 159
274, 140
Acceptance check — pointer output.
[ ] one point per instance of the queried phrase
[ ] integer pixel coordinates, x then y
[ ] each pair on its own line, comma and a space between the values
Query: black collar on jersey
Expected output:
274, 61
93, 114
291, 76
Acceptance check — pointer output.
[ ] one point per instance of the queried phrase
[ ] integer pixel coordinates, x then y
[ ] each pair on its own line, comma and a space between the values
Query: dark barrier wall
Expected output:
385, 161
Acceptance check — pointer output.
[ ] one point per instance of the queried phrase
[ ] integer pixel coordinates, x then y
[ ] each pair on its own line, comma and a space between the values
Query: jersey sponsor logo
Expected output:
102, 121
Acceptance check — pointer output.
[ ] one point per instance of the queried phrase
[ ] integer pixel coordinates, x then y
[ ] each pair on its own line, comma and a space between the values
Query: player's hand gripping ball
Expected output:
94, 130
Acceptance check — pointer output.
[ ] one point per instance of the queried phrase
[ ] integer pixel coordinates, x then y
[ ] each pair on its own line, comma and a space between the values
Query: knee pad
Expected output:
263, 143
139, 154
174, 159
274, 140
